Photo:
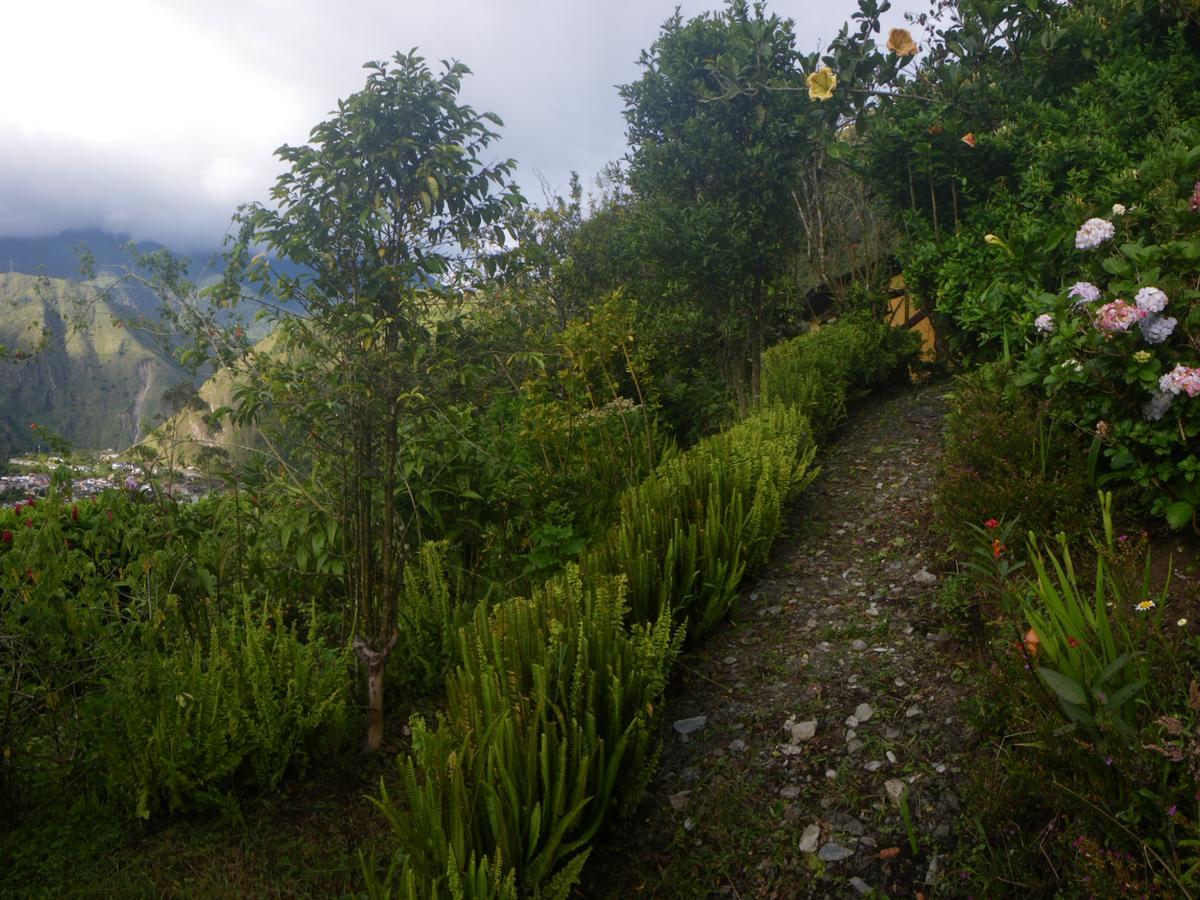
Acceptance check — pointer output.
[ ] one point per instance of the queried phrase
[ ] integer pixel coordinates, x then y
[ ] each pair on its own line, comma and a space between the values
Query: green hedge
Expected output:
821, 371
553, 701
685, 536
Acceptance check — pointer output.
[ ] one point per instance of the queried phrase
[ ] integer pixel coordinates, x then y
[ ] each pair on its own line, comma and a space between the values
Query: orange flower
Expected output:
969, 139
997, 548
1031, 642
900, 41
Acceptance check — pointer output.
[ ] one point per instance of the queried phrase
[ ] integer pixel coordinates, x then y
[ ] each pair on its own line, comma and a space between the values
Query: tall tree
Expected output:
392, 214
714, 173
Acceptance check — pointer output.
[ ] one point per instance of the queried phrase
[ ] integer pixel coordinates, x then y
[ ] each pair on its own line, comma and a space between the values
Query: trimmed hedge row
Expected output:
553, 702
821, 371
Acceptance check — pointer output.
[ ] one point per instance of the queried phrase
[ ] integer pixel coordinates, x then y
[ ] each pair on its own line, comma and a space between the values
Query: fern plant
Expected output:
549, 711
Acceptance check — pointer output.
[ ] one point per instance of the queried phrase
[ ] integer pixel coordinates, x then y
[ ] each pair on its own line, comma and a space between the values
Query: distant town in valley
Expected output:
31, 476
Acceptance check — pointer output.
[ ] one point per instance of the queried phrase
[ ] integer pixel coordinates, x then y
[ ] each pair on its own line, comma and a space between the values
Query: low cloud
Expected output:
170, 127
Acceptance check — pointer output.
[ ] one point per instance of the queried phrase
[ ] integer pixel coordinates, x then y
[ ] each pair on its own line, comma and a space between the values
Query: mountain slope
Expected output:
96, 381
184, 436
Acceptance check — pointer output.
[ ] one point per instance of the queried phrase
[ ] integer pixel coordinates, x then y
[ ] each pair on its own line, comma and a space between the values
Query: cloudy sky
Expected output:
158, 117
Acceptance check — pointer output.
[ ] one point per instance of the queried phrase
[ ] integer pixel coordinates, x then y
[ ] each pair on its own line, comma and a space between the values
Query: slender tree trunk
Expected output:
375, 661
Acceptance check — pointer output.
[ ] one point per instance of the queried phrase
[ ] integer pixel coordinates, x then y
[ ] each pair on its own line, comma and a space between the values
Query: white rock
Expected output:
791, 792
803, 731
832, 852
687, 726
925, 577
896, 789
810, 839
863, 712
913, 711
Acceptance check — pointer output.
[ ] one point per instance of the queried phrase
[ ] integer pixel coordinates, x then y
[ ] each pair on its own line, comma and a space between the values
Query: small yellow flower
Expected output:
993, 239
1181, 622
1145, 605
1142, 356
900, 41
821, 84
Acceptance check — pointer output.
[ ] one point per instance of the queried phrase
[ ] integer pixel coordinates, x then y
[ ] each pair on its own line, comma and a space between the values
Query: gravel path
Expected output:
833, 704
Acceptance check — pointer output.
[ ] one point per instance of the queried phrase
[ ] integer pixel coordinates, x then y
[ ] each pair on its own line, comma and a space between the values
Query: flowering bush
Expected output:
1118, 352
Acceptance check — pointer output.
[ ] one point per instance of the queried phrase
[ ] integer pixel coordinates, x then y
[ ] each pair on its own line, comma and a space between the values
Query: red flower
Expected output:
1072, 642
33, 424
997, 549
6, 536
74, 513
969, 139
991, 523
31, 503
29, 523
1194, 206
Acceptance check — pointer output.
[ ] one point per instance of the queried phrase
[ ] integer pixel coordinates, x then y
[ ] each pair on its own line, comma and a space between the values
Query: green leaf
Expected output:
1112, 669
1180, 514
1117, 700
1067, 689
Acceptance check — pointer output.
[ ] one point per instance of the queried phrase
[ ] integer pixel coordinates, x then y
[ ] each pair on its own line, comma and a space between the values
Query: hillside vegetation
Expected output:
96, 381
515, 464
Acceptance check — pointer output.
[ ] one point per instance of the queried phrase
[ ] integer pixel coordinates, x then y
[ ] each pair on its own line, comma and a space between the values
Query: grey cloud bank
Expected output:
158, 119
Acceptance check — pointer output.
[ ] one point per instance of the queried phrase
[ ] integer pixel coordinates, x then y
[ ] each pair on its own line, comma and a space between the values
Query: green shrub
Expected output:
177, 728
1123, 363
820, 371
550, 710
548, 714
1005, 458
431, 613
685, 536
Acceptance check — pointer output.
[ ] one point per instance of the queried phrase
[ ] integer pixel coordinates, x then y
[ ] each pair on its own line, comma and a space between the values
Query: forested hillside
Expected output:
74, 364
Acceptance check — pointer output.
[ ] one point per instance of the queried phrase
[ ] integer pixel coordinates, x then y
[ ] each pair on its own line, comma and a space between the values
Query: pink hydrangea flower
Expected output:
1117, 316
1181, 379
1044, 323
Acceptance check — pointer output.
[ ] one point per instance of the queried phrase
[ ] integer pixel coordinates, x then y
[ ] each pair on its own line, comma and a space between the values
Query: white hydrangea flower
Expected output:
1118, 209
1151, 300
1093, 233
1044, 323
1084, 292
